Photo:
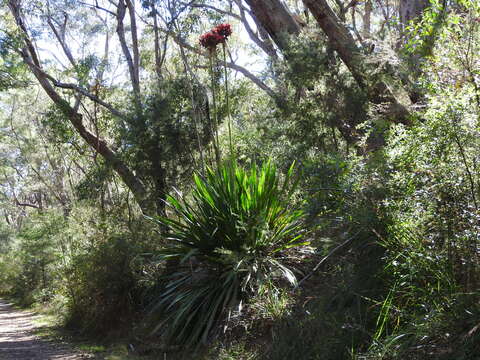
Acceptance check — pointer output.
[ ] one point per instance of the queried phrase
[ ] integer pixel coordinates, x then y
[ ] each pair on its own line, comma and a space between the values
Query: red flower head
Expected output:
211, 39
223, 29
216, 36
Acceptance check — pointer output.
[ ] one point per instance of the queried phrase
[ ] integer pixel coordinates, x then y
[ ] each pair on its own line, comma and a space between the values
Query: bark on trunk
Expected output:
276, 19
386, 90
409, 10
367, 19
340, 38
158, 57
263, 42
383, 90
135, 50
132, 62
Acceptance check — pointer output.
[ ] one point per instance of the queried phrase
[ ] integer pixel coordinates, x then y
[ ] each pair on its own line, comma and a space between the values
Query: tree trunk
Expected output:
367, 19
340, 38
131, 61
409, 10
382, 89
276, 19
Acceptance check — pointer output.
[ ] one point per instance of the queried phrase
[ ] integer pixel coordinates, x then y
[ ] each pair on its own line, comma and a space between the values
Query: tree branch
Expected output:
133, 31
231, 65
265, 45
276, 19
211, 7
121, 11
77, 88
96, 6
61, 39
385, 91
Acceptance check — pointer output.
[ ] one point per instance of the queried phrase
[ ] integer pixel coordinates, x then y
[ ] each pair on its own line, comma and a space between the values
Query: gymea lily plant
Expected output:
226, 242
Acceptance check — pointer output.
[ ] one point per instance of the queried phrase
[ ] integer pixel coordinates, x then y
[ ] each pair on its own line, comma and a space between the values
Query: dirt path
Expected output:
17, 341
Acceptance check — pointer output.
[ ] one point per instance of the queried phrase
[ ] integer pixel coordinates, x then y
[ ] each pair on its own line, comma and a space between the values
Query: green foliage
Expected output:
335, 322
85, 267
431, 257
329, 183
9, 267
319, 335
229, 241
448, 333
5, 238
163, 141
102, 281
423, 281
12, 69
35, 256
57, 125
94, 184
103, 285
406, 286
325, 105
307, 59
423, 34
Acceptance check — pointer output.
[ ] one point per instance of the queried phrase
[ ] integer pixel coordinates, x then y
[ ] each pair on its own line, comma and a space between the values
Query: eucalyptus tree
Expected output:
99, 89
350, 30
280, 23
37, 173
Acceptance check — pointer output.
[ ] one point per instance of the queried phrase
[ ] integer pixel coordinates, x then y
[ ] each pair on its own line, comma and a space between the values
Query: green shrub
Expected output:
36, 254
228, 242
102, 277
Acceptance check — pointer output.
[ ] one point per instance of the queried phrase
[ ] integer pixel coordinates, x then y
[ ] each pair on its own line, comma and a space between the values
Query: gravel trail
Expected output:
18, 342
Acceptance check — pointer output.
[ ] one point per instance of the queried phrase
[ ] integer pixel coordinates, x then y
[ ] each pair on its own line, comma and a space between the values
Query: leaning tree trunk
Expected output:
384, 89
276, 19
31, 60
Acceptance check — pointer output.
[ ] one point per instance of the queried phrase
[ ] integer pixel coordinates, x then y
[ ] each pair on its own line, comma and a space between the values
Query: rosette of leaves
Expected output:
227, 242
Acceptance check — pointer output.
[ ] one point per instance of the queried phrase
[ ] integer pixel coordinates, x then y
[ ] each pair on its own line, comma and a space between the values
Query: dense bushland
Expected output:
92, 275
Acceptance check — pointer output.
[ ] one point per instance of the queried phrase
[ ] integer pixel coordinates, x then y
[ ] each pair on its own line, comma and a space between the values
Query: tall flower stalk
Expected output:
228, 240
210, 40
227, 102
215, 112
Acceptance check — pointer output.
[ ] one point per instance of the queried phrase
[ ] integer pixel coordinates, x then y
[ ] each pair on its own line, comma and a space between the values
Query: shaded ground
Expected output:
18, 342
